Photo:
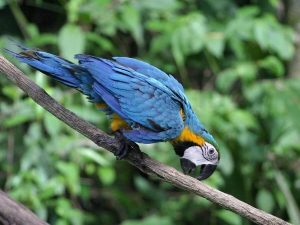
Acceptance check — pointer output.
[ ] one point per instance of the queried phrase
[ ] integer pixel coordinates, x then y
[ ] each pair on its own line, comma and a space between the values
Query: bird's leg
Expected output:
126, 145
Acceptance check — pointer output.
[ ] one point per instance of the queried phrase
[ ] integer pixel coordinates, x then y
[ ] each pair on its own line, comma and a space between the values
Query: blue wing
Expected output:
146, 104
150, 71
172, 84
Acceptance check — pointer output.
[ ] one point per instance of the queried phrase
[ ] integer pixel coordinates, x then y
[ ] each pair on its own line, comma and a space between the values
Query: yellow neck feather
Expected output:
188, 136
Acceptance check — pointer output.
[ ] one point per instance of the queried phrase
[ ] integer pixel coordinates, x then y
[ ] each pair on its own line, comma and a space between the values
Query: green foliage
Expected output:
70, 48
149, 221
232, 57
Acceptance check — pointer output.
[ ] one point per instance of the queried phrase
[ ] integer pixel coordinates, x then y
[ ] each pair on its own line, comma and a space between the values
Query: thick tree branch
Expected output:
136, 158
12, 213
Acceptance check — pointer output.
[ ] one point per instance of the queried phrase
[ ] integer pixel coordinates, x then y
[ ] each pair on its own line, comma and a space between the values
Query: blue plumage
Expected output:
138, 99
149, 100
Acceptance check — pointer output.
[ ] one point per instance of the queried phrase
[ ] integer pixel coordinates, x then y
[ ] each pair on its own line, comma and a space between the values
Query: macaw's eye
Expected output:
211, 151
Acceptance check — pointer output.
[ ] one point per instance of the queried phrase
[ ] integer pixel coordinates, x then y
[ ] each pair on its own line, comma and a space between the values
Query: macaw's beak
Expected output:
206, 171
189, 167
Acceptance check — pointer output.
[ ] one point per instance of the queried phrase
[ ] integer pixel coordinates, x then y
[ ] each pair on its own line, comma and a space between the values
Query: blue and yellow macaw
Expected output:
145, 104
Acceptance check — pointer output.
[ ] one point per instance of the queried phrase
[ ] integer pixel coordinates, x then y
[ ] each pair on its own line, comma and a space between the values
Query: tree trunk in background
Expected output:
293, 11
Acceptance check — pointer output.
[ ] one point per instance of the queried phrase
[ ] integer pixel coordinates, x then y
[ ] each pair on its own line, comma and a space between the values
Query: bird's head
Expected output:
206, 156
192, 156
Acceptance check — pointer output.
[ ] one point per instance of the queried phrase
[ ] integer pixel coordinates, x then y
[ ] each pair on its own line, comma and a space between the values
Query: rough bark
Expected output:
13, 213
135, 157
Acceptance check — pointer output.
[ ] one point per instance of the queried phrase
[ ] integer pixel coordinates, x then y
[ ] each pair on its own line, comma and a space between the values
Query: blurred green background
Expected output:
239, 63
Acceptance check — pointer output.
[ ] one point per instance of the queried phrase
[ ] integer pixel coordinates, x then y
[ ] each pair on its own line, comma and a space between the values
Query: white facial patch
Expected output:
206, 154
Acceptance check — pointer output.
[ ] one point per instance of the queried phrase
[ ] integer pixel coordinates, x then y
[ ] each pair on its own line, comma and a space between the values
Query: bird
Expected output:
144, 104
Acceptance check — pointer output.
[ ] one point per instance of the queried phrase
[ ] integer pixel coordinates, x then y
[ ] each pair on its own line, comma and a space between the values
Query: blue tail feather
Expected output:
60, 69
49, 64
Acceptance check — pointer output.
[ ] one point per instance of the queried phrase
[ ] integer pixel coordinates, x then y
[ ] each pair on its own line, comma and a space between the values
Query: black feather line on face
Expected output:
180, 147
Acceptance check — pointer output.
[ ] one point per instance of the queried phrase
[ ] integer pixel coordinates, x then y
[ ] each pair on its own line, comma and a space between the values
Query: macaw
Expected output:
145, 104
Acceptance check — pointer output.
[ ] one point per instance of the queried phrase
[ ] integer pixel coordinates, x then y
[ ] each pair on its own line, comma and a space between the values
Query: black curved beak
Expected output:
206, 171
187, 166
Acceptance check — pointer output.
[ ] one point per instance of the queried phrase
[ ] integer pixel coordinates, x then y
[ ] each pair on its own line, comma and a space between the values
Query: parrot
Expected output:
145, 105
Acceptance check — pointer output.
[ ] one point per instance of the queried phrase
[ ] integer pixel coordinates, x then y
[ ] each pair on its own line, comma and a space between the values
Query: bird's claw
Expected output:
126, 145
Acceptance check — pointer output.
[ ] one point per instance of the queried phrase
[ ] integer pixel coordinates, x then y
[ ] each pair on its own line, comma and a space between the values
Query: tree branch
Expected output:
12, 213
135, 157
